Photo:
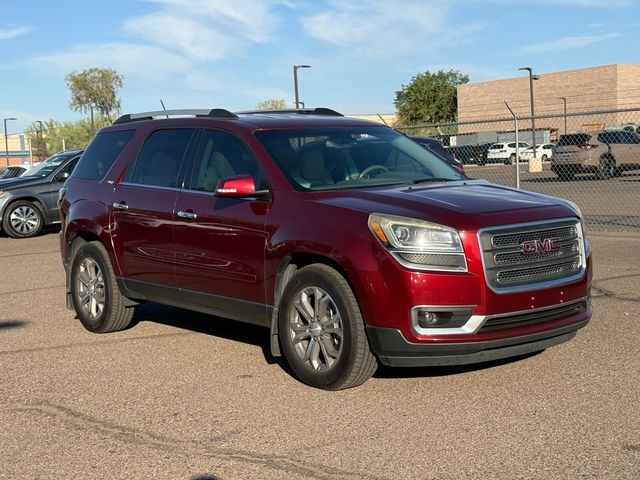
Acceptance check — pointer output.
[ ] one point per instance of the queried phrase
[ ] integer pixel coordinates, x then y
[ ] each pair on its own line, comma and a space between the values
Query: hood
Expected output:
464, 205
19, 182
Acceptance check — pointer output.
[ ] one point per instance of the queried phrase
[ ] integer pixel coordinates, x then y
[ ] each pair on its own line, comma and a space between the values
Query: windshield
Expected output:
352, 157
48, 166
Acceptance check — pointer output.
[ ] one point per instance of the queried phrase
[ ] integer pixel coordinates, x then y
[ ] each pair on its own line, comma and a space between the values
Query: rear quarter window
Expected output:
101, 153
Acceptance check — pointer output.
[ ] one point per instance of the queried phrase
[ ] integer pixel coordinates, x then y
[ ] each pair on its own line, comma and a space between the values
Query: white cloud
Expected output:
565, 43
128, 59
12, 31
378, 27
186, 35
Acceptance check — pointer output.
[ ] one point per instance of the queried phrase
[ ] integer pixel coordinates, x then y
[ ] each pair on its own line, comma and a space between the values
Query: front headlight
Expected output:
418, 244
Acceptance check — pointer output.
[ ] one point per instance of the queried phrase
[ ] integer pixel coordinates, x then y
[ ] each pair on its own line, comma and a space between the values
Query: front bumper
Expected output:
392, 349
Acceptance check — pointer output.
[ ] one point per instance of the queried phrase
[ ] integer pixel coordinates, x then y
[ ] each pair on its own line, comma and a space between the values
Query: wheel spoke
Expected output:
328, 348
301, 336
302, 310
335, 331
327, 321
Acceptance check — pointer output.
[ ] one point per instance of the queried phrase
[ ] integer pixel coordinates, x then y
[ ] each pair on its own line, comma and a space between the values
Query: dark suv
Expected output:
350, 242
30, 202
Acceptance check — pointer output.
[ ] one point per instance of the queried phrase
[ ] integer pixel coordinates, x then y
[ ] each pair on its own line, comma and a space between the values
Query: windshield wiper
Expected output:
433, 179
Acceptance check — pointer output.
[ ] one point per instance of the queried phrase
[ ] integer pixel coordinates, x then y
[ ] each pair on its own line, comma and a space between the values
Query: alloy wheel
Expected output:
91, 288
316, 329
24, 220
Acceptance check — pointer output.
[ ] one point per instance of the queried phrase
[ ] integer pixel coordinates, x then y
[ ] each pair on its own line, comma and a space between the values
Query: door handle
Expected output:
189, 215
120, 206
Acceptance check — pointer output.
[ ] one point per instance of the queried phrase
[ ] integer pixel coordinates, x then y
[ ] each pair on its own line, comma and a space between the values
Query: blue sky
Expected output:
235, 53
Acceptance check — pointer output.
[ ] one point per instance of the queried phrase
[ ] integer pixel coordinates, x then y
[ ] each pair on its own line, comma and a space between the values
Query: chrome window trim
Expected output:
538, 285
146, 185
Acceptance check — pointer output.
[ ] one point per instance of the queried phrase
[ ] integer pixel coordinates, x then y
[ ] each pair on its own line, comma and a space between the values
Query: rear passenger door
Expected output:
142, 211
220, 242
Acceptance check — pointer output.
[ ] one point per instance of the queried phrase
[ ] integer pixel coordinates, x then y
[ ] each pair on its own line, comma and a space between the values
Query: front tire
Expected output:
23, 219
97, 300
511, 160
322, 332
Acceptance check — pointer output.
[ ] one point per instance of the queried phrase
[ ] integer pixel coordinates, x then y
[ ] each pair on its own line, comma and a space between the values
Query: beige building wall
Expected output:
389, 118
586, 89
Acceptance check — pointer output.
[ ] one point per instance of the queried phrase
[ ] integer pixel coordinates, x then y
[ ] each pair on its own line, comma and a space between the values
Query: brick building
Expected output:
605, 87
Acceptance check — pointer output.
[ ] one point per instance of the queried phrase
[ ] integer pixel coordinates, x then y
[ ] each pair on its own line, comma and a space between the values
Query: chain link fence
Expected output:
590, 158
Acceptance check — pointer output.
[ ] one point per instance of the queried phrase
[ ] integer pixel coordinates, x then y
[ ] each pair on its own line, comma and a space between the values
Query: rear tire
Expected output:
606, 168
511, 160
23, 219
97, 300
322, 332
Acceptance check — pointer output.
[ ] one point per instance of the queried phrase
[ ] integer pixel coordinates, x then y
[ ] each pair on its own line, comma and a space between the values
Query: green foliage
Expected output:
272, 104
75, 134
97, 88
429, 98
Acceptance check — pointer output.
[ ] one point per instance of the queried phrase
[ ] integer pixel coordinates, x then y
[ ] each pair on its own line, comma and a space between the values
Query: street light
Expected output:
295, 81
565, 113
532, 77
6, 139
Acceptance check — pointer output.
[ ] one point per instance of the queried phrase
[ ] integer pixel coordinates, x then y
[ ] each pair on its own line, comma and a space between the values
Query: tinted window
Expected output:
496, 146
160, 158
101, 153
512, 145
629, 137
609, 137
69, 167
574, 139
221, 155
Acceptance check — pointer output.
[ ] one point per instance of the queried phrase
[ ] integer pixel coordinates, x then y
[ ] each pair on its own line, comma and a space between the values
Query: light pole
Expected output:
6, 138
532, 77
565, 113
295, 81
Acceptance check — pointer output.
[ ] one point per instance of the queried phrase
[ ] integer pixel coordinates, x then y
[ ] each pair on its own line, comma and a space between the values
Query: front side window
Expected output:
352, 157
221, 155
159, 161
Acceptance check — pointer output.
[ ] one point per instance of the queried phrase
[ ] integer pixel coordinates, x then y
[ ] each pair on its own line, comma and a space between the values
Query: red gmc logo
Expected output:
538, 246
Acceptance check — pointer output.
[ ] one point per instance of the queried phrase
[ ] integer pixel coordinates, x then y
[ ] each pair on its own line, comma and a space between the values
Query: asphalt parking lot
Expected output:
183, 395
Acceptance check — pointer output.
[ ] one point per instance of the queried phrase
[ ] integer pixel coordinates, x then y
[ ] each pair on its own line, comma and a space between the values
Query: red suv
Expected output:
350, 242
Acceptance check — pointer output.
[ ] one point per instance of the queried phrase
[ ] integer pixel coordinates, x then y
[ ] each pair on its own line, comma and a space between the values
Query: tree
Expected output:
429, 98
95, 88
58, 135
271, 104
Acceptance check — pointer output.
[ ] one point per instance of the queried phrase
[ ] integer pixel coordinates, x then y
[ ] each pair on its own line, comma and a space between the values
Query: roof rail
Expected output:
213, 113
299, 111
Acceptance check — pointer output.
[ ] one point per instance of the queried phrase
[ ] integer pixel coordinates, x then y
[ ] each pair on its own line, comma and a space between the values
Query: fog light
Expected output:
428, 319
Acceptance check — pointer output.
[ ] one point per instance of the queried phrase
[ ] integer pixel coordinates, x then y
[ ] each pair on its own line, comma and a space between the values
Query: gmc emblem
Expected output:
538, 246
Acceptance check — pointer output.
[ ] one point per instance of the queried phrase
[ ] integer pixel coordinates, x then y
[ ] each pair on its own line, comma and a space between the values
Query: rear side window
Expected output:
574, 139
159, 160
101, 153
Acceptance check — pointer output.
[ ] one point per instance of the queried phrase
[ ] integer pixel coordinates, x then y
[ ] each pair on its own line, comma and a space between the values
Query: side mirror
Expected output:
62, 176
239, 186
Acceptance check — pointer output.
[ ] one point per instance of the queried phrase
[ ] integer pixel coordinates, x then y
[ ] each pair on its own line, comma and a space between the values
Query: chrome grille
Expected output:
558, 255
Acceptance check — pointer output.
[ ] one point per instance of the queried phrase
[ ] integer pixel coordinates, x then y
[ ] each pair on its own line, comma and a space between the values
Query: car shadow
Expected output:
446, 371
206, 324
259, 336
8, 324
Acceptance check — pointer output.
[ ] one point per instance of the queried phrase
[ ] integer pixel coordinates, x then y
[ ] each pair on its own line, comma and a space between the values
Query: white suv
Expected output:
505, 152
